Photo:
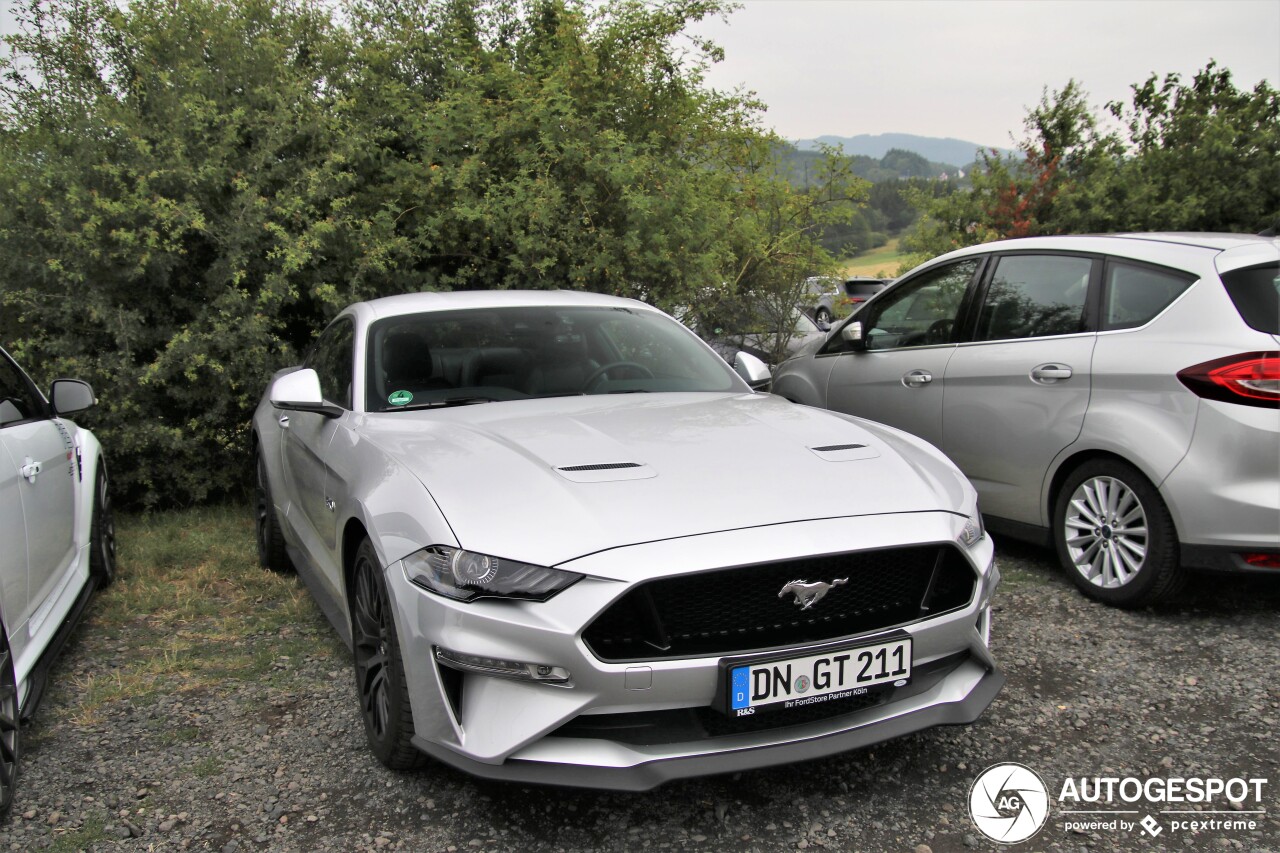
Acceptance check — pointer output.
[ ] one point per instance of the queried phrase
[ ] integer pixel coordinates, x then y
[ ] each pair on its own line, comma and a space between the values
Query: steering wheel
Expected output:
601, 372
938, 331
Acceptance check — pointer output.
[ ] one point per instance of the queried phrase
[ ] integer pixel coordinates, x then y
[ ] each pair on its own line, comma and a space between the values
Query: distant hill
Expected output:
896, 164
953, 152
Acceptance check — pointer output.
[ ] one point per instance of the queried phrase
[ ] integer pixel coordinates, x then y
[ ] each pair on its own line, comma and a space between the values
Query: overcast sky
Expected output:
970, 69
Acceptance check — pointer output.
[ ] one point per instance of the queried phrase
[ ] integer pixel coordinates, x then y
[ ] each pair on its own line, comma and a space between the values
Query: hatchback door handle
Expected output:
917, 379
30, 469
284, 422
1047, 374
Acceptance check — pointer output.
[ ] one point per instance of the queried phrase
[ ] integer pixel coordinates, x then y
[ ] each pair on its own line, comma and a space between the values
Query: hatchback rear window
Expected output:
1256, 294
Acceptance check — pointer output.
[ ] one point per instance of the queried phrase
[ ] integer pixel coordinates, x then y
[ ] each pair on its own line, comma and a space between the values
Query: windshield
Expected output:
448, 358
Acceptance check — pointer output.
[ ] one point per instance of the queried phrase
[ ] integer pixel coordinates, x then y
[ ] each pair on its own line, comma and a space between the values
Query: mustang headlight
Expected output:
973, 532
466, 575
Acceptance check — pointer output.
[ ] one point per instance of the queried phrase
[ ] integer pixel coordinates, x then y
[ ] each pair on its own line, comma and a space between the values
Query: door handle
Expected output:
917, 378
1048, 374
284, 422
30, 469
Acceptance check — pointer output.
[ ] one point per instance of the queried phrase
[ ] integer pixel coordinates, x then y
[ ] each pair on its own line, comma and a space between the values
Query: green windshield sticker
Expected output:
400, 398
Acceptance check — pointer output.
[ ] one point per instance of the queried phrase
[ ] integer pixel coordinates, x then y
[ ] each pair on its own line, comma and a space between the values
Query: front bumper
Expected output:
585, 732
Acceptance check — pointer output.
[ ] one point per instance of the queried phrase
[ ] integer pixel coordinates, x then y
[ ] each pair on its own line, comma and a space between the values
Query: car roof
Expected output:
416, 303
1205, 240
1189, 250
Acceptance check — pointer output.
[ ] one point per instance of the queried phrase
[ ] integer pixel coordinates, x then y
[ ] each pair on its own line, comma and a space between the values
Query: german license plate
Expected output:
779, 684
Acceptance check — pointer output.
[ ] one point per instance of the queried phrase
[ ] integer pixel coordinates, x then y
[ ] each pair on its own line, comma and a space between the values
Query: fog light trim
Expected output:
500, 668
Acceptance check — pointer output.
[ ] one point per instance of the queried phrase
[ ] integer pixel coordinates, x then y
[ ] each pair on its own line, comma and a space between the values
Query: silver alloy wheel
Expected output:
1106, 532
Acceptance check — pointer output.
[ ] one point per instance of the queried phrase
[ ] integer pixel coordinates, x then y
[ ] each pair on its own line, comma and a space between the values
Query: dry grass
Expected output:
884, 262
192, 610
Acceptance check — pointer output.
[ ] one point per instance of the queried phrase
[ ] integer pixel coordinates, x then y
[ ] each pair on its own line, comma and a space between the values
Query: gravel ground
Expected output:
1189, 689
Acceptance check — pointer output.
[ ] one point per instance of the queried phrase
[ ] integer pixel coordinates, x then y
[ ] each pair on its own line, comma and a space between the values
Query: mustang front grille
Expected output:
731, 611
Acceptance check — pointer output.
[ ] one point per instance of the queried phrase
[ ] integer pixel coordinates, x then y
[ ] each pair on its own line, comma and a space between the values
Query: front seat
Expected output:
407, 364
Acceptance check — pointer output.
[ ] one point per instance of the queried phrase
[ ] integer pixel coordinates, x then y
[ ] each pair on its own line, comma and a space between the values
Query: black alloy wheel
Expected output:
380, 681
271, 551
102, 533
9, 723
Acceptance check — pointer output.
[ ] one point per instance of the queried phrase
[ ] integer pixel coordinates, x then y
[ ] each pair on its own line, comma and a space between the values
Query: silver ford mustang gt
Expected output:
567, 543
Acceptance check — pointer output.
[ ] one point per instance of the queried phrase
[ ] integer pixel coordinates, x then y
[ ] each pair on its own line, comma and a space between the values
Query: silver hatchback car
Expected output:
1115, 396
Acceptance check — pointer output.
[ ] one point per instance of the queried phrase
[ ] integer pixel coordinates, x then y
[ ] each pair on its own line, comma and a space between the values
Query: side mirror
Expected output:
753, 370
70, 396
852, 335
300, 392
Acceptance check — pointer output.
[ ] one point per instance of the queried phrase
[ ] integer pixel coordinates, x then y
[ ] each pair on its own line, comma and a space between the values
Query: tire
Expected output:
379, 667
1115, 537
10, 733
822, 315
102, 533
271, 551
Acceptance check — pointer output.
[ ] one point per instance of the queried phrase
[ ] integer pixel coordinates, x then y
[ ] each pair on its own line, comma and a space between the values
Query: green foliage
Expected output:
159, 167
190, 188
1198, 157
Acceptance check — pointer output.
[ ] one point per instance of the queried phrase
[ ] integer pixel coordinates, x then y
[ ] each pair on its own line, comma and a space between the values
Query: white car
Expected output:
568, 544
59, 541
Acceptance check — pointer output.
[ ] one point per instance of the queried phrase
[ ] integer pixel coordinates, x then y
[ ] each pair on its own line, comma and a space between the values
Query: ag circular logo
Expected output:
1009, 803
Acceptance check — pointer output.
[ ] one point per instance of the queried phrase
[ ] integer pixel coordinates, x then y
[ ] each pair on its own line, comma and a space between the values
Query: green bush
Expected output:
190, 189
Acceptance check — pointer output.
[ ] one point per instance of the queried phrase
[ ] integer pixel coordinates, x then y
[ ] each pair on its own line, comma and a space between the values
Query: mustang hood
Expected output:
545, 481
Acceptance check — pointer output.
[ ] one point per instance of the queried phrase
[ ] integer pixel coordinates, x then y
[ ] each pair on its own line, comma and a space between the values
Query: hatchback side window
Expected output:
17, 401
1135, 295
332, 361
923, 311
1034, 296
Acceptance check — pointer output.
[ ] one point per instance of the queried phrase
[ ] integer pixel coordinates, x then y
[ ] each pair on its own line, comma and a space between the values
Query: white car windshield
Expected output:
447, 358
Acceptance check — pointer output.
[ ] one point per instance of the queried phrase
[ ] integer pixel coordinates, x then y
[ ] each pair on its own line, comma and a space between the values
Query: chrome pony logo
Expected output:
808, 594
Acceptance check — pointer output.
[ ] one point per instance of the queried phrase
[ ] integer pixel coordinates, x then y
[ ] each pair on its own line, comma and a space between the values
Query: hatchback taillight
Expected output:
1251, 378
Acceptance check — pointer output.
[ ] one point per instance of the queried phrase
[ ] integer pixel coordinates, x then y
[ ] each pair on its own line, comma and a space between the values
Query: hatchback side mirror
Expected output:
70, 396
300, 392
852, 334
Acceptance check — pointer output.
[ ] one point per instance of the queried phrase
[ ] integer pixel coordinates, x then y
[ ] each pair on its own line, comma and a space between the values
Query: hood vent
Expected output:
605, 466
844, 452
606, 472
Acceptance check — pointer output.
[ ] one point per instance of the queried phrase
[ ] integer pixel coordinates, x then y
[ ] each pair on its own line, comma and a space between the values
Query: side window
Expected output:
17, 402
923, 311
1135, 295
1035, 296
332, 360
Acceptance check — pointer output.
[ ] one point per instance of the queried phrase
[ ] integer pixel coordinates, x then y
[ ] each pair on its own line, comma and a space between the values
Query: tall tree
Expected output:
1198, 157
